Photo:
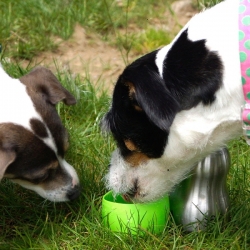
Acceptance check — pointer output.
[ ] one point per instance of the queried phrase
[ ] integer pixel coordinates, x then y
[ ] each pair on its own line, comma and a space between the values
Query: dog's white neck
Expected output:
200, 131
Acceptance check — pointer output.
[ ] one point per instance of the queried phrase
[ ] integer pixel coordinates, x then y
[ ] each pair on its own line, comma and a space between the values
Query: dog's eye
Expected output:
41, 178
49, 174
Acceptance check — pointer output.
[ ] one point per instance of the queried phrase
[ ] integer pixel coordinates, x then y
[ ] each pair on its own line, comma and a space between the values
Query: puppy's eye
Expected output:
48, 175
41, 178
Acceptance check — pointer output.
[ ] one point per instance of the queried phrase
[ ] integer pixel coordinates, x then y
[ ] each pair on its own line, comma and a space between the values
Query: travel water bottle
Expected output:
203, 195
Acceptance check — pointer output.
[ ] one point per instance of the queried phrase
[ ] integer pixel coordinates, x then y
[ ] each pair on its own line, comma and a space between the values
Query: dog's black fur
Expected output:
191, 74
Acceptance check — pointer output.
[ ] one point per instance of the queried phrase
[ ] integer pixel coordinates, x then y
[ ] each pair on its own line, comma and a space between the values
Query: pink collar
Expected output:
244, 48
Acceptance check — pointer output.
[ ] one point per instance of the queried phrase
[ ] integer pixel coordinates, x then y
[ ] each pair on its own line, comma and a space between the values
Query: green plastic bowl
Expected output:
134, 218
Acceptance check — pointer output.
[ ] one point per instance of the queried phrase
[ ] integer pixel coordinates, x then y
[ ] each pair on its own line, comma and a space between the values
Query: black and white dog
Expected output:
33, 139
176, 105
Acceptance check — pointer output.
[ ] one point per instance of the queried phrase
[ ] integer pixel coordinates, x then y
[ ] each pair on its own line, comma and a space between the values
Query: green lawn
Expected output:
29, 222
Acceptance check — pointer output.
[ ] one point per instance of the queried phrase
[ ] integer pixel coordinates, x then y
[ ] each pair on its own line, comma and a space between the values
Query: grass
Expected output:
151, 39
29, 222
50, 19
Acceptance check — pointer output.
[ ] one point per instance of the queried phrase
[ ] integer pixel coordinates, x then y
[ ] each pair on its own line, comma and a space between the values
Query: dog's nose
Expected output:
74, 193
132, 192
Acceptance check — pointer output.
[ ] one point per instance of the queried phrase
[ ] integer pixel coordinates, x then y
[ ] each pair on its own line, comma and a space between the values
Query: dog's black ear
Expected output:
42, 80
148, 89
6, 158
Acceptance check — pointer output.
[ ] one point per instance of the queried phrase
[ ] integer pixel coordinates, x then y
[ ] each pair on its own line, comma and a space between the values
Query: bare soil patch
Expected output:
85, 54
88, 55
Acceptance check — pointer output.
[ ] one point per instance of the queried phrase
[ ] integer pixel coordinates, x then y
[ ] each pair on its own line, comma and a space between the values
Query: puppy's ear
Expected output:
6, 158
148, 89
43, 81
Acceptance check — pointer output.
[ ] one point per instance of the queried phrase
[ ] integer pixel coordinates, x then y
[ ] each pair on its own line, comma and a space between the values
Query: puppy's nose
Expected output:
74, 193
131, 193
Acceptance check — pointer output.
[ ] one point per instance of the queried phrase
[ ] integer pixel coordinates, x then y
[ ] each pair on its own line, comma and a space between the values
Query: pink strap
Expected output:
244, 50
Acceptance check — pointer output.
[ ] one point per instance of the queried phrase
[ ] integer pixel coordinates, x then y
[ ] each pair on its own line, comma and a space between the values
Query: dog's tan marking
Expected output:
131, 94
131, 89
137, 108
53, 165
136, 159
130, 145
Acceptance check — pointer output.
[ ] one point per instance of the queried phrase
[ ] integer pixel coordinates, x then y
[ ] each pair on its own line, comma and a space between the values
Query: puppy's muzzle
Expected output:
74, 192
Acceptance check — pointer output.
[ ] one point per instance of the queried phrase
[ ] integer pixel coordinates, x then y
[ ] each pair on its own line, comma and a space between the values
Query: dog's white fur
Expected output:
199, 131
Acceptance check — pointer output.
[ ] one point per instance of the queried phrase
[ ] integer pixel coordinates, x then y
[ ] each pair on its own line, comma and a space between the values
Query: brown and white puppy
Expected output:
33, 140
175, 105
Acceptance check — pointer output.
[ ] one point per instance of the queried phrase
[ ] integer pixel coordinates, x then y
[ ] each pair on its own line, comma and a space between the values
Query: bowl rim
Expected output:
164, 200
